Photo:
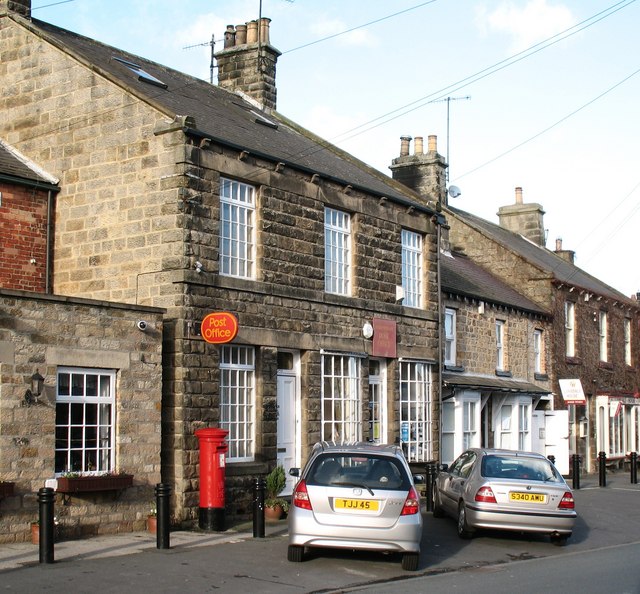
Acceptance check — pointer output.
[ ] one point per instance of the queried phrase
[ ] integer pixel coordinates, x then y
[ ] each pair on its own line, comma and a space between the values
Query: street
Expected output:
600, 556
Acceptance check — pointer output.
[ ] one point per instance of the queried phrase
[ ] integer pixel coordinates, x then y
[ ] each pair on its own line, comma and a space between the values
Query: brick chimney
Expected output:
567, 255
247, 64
524, 219
22, 7
425, 173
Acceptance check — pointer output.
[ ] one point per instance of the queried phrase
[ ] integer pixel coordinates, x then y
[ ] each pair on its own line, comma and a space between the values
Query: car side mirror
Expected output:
294, 471
418, 479
443, 467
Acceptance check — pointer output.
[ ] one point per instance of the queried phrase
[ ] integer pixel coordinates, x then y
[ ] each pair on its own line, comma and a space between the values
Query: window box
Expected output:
6, 489
85, 484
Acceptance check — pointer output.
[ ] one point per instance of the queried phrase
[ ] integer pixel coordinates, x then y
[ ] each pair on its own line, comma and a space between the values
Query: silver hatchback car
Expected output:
356, 496
505, 490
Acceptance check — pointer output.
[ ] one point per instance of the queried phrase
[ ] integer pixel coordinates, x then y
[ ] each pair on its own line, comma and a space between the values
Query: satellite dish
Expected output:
454, 191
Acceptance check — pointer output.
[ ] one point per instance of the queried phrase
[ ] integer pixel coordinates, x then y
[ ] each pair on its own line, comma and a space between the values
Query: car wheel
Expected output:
560, 540
410, 561
438, 511
295, 553
463, 529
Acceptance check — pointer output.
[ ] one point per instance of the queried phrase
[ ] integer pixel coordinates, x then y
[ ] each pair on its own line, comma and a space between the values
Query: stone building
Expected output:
495, 386
592, 347
81, 384
594, 342
178, 194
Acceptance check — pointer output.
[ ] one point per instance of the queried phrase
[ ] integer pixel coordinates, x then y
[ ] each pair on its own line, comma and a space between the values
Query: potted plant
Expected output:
152, 521
274, 505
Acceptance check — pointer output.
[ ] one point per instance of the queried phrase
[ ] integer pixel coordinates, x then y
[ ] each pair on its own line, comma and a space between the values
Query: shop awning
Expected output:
493, 384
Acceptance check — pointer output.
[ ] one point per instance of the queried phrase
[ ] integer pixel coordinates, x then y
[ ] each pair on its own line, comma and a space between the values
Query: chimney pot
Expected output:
404, 145
264, 30
229, 36
433, 143
241, 34
418, 146
559, 244
518, 195
252, 32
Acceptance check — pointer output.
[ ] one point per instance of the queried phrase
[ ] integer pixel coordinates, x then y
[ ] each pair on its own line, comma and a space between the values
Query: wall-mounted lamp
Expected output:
35, 390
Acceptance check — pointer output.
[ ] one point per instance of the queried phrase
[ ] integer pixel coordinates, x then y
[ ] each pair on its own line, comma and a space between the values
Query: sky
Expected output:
537, 94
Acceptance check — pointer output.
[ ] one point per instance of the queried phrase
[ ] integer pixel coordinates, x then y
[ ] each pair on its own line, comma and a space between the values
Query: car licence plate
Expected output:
528, 497
361, 504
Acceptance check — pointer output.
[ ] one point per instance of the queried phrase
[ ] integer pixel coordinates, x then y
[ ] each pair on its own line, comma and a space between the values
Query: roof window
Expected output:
143, 75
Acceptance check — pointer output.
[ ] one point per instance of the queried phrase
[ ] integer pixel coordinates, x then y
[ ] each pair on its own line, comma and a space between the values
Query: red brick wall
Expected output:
23, 238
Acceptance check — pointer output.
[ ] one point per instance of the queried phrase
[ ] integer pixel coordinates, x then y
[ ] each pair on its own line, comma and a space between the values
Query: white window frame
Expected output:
500, 343
412, 268
449, 452
570, 328
415, 410
237, 229
611, 428
337, 251
537, 351
627, 342
470, 423
603, 333
512, 423
237, 400
341, 398
450, 342
89, 394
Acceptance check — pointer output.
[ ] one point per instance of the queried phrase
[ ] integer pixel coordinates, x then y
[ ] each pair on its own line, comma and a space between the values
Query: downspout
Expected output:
440, 333
47, 272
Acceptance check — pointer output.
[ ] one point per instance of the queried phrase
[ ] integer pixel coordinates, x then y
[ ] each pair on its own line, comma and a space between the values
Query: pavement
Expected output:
22, 554
235, 561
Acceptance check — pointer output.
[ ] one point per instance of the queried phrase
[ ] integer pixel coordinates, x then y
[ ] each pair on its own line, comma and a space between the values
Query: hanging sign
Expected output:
572, 391
219, 327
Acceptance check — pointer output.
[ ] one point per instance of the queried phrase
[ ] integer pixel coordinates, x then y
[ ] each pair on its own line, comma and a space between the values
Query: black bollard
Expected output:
431, 473
575, 465
46, 498
633, 458
602, 469
258, 508
163, 493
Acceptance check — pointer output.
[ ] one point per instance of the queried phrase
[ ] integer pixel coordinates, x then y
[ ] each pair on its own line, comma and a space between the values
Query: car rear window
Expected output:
515, 467
368, 471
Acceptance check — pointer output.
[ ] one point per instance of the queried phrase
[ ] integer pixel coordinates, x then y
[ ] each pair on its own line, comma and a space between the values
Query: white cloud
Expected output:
526, 24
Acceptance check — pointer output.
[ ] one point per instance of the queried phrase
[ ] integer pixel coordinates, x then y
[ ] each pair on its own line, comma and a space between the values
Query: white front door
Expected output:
288, 426
557, 438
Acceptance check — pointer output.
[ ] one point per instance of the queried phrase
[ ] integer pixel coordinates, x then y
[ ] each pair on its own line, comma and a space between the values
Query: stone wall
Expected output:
42, 333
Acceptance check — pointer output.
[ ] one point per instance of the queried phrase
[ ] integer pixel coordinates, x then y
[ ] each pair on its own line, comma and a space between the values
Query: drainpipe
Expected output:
47, 272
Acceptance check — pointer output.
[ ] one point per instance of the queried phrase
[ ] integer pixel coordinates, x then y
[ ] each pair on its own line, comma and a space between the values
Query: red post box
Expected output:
213, 449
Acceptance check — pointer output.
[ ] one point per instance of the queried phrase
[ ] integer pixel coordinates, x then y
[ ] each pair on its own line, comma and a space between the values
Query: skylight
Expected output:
143, 75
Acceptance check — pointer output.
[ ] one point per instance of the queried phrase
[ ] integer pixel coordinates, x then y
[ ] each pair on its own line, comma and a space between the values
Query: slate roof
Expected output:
560, 269
225, 116
18, 169
462, 276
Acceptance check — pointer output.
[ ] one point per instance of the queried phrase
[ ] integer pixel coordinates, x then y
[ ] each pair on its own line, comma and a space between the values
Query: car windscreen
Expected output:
517, 467
358, 470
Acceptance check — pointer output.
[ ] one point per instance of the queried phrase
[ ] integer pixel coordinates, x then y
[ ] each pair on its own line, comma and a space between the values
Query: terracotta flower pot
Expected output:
273, 514
152, 524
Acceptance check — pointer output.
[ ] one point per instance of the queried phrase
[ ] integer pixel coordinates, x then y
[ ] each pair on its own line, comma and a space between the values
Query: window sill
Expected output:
573, 361
541, 377
457, 368
503, 373
88, 484
605, 365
